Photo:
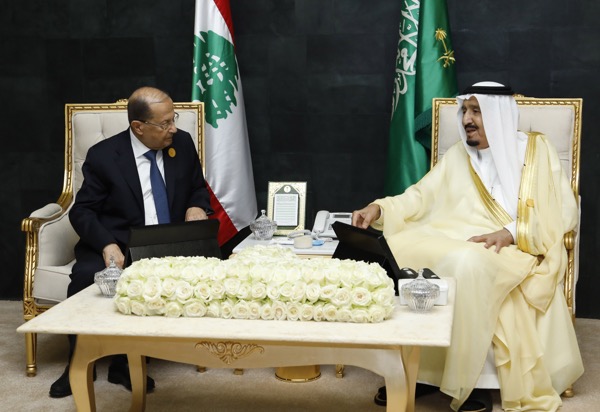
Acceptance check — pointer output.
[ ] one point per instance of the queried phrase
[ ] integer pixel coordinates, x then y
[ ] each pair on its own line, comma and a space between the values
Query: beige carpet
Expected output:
181, 388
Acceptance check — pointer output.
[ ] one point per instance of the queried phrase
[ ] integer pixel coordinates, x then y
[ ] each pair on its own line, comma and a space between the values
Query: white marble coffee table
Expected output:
390, 349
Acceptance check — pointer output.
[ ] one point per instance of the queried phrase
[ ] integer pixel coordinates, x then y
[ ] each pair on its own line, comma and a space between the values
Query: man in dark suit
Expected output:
119, 191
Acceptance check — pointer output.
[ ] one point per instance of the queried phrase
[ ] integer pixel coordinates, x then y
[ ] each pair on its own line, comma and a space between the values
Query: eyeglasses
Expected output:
165, 125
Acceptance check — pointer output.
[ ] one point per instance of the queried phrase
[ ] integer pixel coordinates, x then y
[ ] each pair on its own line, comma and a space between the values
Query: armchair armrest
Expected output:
48, 212
37, 218
570, 279
569, 240
50, 238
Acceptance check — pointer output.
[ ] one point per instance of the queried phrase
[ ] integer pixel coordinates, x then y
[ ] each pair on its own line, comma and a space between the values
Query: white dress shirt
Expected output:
143, 167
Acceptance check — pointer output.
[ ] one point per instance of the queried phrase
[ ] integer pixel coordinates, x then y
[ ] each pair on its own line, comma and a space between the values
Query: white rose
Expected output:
214, 309
332, 276
273, 291
330, 312
140, 267
259, 290
344, 314
313, 292
132, 272
328, 292
313, 274
227, 309
189, 273
318, 313
307, 312
242, 272
231, 286
135, 289
121, 288
254, 310
362, 275
123, 305
260, 273
128, 273
279, 310
279, 276
156, 306
173, 309
342, 297
152, 288
138, 308
184, 291
194, 308
293, 273
285, 292
348, 279
266, 311
359, 315
377, 313
245, 291
298, 292
202, 291
168, 287
378, 277
205, 271
163, 269
361, 296
293, 310
218, 274
241, 310
217, 290
383, 296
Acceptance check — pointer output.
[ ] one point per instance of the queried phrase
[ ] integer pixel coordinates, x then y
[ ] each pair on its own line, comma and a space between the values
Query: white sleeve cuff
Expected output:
512, 228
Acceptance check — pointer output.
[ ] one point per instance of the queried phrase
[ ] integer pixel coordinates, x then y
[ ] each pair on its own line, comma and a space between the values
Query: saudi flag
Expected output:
424, 70
217, 83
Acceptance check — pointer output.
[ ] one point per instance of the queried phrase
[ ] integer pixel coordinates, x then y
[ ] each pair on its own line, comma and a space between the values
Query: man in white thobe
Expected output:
492, 214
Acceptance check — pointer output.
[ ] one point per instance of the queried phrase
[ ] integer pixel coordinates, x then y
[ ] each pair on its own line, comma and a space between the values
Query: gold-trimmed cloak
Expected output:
512, 298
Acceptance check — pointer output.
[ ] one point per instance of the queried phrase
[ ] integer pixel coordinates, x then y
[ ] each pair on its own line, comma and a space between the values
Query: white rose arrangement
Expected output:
261, 282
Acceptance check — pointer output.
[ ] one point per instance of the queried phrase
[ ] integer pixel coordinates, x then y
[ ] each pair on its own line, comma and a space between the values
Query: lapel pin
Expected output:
172, 152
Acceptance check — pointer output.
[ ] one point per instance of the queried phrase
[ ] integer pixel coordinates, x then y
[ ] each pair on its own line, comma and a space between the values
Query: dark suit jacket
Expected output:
110, 199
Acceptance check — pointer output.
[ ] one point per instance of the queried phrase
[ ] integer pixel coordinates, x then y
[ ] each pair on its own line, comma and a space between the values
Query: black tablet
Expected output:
366, 245
194, 238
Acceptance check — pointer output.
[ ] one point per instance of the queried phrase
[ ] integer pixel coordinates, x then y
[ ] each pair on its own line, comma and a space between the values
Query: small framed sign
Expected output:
287, 206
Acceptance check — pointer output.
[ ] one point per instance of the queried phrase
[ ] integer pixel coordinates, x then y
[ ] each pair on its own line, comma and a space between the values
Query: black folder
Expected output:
366, 245
195, 238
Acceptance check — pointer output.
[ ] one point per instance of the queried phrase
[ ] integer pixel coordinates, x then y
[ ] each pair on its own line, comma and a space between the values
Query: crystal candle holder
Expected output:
420, 294
107, 279
263, 228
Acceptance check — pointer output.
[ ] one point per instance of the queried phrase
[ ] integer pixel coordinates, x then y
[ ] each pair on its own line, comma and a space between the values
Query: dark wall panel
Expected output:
317, 78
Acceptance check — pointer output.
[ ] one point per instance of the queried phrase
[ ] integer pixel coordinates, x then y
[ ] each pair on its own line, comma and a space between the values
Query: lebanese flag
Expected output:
217, 83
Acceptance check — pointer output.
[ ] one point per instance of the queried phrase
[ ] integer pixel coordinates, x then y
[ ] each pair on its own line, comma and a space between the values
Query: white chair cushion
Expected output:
51, 283
56, 240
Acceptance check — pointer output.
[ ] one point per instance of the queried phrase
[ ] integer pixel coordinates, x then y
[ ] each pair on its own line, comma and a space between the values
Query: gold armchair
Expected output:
50, 238
560, 121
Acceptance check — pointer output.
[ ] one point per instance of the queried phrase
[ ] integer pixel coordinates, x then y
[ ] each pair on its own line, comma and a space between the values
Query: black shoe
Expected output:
480, 400
118, 373
422, 389
62, 386
381, 397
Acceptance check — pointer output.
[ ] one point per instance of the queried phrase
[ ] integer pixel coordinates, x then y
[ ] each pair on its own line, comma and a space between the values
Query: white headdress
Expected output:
500, 121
